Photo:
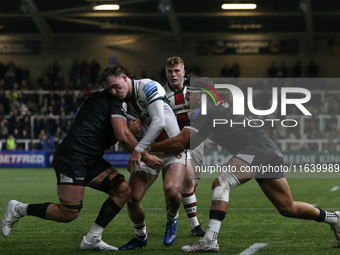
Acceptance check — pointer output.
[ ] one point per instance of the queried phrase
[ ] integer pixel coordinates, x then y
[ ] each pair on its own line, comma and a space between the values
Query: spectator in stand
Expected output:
297, 69
63, 120
85, 69
68, 127
41, 134
282, 71
312, 70
46, 143
75, 72
272, 71
27, 124
16, 123
10, 77
10, 143
26, 74
2, 70
47, 125
4, 127
23, 109
45, 83
235, 70
74, 104
225, 71
2, 111
60, 134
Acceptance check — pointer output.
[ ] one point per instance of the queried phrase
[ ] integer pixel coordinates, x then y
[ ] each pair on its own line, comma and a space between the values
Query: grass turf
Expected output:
251, 218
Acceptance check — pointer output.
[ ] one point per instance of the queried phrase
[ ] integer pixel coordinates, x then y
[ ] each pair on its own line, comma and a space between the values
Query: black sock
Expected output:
322, 215
38, 210
107, 212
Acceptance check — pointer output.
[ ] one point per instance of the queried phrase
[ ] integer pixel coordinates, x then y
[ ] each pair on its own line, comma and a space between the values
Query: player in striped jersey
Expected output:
175, 91
147, 98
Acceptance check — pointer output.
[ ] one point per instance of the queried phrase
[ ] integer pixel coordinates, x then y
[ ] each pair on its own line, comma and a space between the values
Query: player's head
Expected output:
174, 70
194, 86
115, 81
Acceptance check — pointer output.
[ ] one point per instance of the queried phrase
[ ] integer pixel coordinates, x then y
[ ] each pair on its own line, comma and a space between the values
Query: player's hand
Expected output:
151, 161
135, 125
134, 161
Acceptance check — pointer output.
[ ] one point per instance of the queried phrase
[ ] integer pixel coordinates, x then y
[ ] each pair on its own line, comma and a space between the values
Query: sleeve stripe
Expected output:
192, 128
158, 98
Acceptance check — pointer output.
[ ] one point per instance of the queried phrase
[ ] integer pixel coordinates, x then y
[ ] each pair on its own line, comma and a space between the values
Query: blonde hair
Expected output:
172, 61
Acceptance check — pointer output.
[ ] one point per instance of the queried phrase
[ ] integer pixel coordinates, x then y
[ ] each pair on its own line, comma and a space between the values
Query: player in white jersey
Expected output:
175, 91
147, 98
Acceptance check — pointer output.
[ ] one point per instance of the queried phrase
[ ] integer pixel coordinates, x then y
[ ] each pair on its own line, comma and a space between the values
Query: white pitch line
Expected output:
335, 188
25, 179
253, 249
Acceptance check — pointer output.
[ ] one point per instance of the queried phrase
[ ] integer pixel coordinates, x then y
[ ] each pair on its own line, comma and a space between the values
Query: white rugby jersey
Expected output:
179, 104
151, 104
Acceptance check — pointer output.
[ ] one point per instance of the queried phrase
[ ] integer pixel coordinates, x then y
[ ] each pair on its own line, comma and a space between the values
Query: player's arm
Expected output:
182, 141
129, 142
156, 112
123, 134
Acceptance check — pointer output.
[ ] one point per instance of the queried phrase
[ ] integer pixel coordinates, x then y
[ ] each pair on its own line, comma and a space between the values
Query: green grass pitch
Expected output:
251, 218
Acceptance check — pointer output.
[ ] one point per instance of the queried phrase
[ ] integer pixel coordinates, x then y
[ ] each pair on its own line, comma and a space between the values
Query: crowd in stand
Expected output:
46, 117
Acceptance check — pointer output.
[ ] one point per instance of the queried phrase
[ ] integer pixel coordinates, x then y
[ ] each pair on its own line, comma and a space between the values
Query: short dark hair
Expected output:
110, 71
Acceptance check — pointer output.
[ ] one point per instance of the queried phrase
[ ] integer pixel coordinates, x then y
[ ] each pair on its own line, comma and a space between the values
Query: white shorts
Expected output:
196, 157
167, 160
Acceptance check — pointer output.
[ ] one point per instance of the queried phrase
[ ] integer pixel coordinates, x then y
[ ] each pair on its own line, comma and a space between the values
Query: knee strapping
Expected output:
111, 181
71, 206
228, 182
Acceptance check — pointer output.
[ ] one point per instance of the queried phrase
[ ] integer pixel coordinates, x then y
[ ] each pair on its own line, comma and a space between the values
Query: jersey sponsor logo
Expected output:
179, 156
150, 89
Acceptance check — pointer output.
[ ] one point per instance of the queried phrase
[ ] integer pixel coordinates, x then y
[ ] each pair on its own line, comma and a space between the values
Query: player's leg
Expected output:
221, 188
111, 182
70, 192
189, 198
173, 176
139, 182
278, 192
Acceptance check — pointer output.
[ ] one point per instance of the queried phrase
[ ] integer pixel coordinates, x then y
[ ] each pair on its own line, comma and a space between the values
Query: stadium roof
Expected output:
172, 18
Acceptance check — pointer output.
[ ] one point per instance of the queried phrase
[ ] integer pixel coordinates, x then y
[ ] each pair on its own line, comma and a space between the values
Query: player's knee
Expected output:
124, 190
134, 199
287, 211
69, 217
111, 182
171, 193
188, 183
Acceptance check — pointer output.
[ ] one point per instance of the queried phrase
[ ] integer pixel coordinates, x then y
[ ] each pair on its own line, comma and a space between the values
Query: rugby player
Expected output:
78, 162
250, 147
175, 91
147, 98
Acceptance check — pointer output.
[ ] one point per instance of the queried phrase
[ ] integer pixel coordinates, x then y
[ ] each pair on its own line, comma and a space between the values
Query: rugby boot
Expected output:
134, 243
10, 218
170, 232
201, 246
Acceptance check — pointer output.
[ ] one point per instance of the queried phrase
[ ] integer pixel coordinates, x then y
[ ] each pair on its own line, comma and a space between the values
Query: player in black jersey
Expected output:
78, 162
250, 147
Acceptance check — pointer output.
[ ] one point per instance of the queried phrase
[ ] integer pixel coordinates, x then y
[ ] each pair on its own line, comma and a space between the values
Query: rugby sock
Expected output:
95, 233
107, 212
328, 217
38, 210
212, 231
189, 202
215, 221
21, 209
170, 217
140, 230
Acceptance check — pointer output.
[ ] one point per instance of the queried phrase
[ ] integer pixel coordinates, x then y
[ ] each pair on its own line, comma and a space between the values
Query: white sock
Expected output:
95, 232
331, 218
189, 202
21, 209
140, 230
212, 231
171, 218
